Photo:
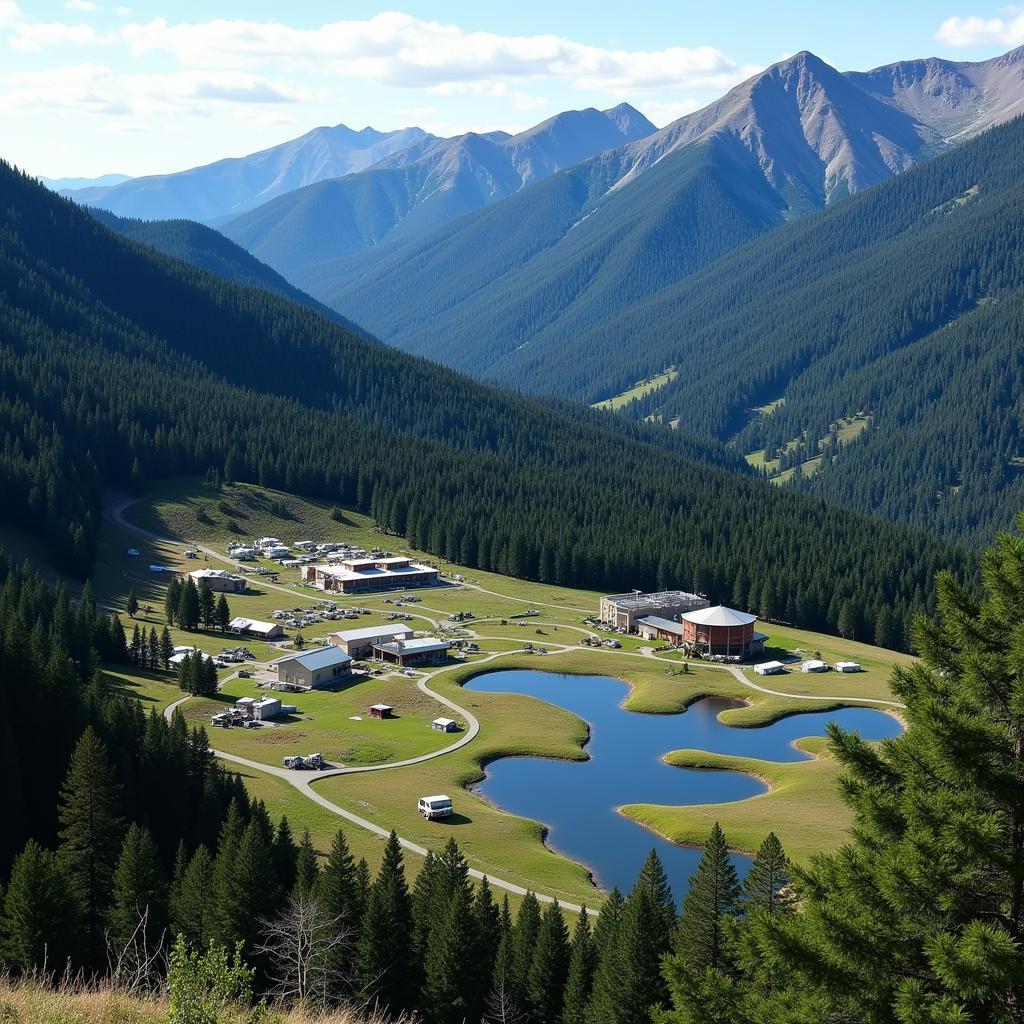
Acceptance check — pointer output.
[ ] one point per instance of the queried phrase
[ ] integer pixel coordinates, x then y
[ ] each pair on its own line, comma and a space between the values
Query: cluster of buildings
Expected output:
684, 620
393, 644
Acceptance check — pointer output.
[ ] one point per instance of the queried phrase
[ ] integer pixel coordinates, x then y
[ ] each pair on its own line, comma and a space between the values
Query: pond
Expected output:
577, 800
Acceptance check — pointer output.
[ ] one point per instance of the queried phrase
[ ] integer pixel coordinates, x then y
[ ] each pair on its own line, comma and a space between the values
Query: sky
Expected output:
90, 87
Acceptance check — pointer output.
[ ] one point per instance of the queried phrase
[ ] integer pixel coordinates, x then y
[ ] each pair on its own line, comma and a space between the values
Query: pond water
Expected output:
577, 800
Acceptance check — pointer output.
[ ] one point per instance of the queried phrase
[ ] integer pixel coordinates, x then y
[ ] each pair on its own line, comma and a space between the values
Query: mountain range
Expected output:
425, 186
227, 187
489, 291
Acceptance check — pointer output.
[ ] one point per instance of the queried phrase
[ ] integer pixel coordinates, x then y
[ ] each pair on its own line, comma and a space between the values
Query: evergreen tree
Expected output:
172, 601
153, 649
207, 604
91, 828
166, 649
384, 942
524, 942
920, 916
604, 996
222, 616
488, 930
189, 609
135, 648
505, 1000
337, 888
767, 885
138, 912
306, 868
549, 970
193, 909
285, 855
131, 605
580, 977
40, 916
710, 904
449, 987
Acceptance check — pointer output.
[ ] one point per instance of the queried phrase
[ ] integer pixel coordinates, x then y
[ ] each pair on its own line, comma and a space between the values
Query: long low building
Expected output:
255, 628
653, 627
403, 653
358, 643
220, 580
313, 669
359, 575
621, 611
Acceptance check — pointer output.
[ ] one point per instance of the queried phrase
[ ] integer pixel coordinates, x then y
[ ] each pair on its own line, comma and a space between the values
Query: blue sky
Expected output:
95, 86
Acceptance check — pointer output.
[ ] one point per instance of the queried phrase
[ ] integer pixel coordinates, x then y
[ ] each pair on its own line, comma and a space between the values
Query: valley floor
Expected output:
377, 789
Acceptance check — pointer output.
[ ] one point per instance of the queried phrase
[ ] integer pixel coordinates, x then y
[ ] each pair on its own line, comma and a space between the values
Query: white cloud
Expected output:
398, 49
9, 13
34, 36
96, 89
79, 5
974, 31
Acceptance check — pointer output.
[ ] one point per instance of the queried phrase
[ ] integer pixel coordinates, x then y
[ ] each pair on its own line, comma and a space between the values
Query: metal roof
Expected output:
657, 622
425, 645
719, 616
370, 632
319, 657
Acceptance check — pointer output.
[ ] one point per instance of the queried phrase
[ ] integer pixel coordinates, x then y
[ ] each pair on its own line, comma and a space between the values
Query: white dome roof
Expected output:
718, 616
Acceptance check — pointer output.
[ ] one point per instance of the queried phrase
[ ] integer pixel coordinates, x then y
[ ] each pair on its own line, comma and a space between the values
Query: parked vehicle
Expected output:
432, 807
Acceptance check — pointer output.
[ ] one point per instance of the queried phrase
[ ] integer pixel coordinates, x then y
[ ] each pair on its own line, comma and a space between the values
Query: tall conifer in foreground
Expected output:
580, 977
921, 917
91, 828
138, 912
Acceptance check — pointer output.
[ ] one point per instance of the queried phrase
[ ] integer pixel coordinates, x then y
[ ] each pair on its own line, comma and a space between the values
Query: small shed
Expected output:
813, 665
444, 725
379, 710
848, 666
769, 668
266, 707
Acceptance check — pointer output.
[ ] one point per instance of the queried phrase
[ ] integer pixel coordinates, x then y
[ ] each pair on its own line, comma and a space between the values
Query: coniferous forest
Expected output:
120, 366
126, 839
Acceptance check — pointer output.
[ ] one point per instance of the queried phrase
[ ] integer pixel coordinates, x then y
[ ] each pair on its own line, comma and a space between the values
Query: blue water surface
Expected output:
577, 800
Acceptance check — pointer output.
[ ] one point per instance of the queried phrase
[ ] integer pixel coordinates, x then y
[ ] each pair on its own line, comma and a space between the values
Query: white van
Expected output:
435, 807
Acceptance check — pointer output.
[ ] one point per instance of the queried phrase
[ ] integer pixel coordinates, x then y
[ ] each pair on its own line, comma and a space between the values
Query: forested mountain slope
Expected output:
903, 307
208, 249
227, 187
501, 292
423, 187
117, 365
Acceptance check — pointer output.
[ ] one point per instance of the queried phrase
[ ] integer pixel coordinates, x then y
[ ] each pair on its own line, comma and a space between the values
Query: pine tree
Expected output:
39, 923
711, 902
447, 996
604, 996
423, 905
337, 887
138, 912
91, 828
920, 916
153, 649
550, 967
306, 868
285, 855
767, 885
488, 930
189, 609
166, 649
384, 942
207, 604
131, 605
580, 977
222, 616
224, 887
135, 647
524, 942
172, 601
193, 909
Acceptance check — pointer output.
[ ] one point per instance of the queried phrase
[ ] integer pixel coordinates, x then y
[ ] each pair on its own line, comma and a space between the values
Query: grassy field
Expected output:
324, 723
801, 804
639, 390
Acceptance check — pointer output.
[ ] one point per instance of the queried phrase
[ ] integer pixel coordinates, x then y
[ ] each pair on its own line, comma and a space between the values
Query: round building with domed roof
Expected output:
721, 631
